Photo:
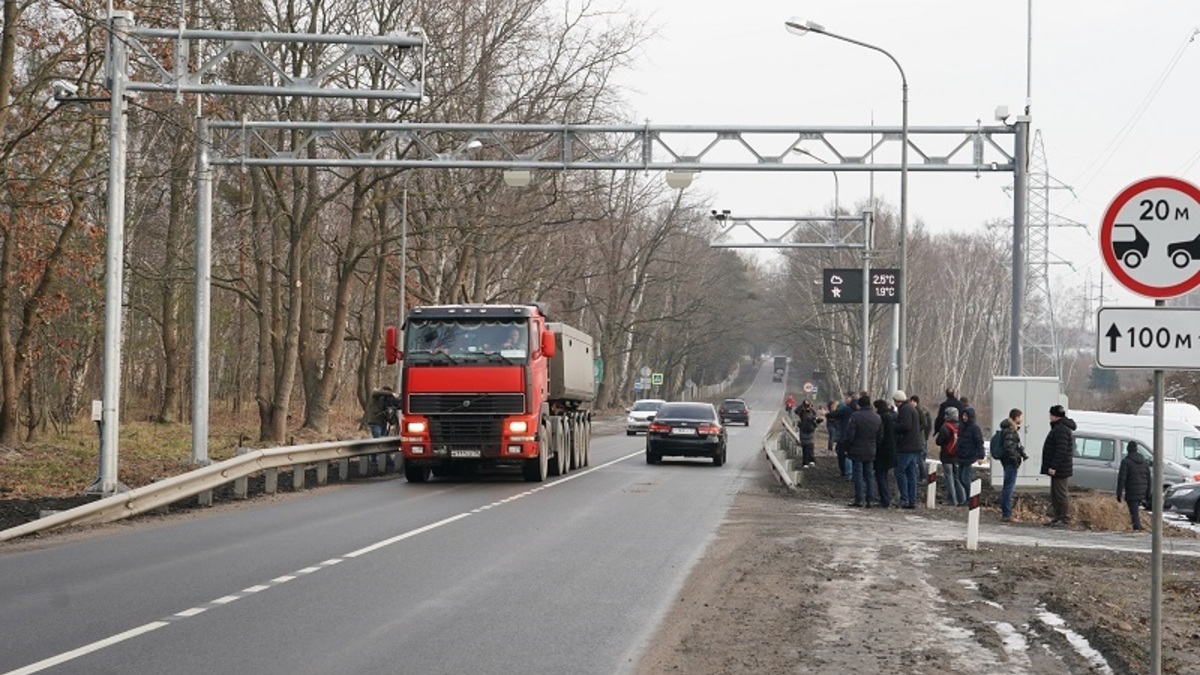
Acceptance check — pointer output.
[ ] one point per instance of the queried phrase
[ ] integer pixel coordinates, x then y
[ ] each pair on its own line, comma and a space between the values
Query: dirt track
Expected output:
798, 583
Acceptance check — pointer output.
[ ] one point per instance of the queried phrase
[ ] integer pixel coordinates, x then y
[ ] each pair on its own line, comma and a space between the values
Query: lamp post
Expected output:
799, 27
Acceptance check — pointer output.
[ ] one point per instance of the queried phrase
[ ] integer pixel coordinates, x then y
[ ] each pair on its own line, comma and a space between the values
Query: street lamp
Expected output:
800, 27
679, 180
473, 144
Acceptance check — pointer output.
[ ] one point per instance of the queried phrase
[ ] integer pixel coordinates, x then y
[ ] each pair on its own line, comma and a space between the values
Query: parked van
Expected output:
1173, 409
1098, 456
1181, 441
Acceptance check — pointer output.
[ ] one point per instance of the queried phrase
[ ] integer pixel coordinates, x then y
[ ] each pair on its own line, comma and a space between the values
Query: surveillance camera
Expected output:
64, 89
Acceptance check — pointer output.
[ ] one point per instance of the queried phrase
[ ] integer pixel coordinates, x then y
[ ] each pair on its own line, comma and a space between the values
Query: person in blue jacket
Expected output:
970, 449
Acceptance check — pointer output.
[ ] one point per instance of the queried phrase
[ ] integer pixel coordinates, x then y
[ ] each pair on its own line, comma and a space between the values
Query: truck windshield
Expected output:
458, 341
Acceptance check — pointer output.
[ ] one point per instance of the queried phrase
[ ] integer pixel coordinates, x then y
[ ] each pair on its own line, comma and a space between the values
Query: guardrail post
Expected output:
204, 498
241, 486
271, 481
298, 476
973, 516
364, 465
343, 468
931, 470
322, 473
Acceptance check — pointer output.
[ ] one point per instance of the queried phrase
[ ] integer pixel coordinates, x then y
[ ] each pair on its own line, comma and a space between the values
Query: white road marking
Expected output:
224, 600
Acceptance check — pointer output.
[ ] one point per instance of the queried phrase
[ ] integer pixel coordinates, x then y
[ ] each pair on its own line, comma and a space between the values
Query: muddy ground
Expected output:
799, 583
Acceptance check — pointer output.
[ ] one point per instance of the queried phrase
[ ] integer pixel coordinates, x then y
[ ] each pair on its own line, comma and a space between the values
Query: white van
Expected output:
1173, 409
1181, 441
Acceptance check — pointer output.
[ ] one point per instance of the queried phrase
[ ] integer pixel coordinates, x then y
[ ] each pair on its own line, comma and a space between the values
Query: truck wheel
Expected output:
564, 446
573, 438
587, 442
535, 470
558, 465
416, 473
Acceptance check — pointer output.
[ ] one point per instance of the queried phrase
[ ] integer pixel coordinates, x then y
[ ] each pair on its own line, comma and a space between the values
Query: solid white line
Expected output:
155, 625
87, 649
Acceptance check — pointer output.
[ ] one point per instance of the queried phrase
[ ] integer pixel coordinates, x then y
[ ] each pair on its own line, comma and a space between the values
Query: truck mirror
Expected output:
391, 346
548, 346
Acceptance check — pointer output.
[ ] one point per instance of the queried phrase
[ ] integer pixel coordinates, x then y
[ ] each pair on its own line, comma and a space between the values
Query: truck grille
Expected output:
466, 404
472, 431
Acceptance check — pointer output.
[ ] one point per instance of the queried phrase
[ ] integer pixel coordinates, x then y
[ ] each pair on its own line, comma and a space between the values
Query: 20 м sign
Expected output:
1150, 237
846, 286
1158, 338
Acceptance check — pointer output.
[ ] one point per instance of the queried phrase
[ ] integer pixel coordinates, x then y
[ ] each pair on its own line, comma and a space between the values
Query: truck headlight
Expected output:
518, 427
415, 427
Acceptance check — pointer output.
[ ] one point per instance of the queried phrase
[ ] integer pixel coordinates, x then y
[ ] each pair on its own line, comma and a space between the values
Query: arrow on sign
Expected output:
1113, 334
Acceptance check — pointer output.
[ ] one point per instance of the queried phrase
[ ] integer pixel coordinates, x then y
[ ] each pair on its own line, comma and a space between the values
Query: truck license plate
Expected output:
683, 431
464, 453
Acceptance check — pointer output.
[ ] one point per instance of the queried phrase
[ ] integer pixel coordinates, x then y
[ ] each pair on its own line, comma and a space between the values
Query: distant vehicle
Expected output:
734, 410
640, 414
780, 368
1134, 251
1098, 458
1175, 409
686, 430
1181, 441
1184, 252
1184, 498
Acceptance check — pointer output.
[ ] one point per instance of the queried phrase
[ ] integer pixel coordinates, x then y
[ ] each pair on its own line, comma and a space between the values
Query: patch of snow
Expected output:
1077, 641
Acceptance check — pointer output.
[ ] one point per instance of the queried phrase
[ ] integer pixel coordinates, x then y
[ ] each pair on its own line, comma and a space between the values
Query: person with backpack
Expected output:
970, 448
950, 402
1133, 482
947, 440
806, 425
1007, 449
1058, 462
909, 444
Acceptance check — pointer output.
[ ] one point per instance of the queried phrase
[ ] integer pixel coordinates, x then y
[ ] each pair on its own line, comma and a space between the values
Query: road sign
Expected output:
645, 371
1150, 237
846, 286
1157, 338
637, 385
656, 378
809, 387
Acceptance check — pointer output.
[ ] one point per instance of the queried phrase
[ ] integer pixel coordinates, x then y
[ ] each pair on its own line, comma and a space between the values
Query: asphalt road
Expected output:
493, 575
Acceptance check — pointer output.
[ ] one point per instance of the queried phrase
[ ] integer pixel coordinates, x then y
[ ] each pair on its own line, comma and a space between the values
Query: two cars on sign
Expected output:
686, 430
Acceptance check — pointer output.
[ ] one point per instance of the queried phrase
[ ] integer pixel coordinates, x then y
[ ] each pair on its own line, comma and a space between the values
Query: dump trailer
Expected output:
492, 386
780, 368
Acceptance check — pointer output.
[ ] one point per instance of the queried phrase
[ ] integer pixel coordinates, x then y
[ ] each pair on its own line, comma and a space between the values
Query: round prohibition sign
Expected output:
1150, 237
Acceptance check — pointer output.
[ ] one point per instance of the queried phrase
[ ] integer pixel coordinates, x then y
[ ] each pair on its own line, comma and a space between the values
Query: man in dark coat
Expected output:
1058, 461
1133, 482
885, 453
950, 402
839, 418
806, 426
862, 433
909, 444
970, 449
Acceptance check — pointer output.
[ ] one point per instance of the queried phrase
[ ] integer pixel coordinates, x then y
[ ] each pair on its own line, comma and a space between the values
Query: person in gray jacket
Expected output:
1133, 483
863, 431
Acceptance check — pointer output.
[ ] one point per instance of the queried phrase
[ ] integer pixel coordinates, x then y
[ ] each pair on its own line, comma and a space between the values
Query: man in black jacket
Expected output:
909, 444
1133, 482
1058, 461
951, 401
864, 429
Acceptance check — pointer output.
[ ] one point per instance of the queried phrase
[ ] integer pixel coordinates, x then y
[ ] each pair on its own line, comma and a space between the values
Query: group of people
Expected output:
874, 439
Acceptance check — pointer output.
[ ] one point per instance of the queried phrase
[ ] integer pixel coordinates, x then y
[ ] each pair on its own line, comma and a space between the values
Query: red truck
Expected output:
492, 385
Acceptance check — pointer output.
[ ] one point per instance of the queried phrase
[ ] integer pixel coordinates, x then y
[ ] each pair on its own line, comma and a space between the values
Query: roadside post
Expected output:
931, 469
1149, 244
973, 515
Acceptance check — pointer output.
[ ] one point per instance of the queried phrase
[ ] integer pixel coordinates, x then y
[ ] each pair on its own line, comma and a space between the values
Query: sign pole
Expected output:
1156, 553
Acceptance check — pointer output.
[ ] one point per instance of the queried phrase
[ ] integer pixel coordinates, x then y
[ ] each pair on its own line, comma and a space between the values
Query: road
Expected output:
493, 575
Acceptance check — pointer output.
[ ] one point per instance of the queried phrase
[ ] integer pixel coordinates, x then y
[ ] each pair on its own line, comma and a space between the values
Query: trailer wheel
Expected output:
417, 473
564, 446
587, 441
575, 427
535, 470
558, 467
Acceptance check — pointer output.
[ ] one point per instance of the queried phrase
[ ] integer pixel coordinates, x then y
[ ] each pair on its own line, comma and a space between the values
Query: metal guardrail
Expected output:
202, 480
783, 451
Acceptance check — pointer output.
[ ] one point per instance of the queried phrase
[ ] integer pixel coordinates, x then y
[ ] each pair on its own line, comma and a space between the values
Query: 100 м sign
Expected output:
1162, 338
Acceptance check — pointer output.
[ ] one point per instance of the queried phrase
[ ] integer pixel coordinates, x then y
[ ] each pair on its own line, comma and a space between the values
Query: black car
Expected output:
1184, 252
686, 430
734, 410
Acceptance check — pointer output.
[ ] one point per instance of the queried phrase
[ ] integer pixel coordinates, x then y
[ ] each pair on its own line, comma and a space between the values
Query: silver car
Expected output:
640, 413
1098, 458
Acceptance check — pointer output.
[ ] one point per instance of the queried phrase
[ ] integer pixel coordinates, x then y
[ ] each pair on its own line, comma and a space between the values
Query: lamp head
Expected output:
798, 26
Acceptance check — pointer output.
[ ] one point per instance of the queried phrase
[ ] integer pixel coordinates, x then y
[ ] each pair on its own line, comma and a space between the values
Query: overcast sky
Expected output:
1115, 92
